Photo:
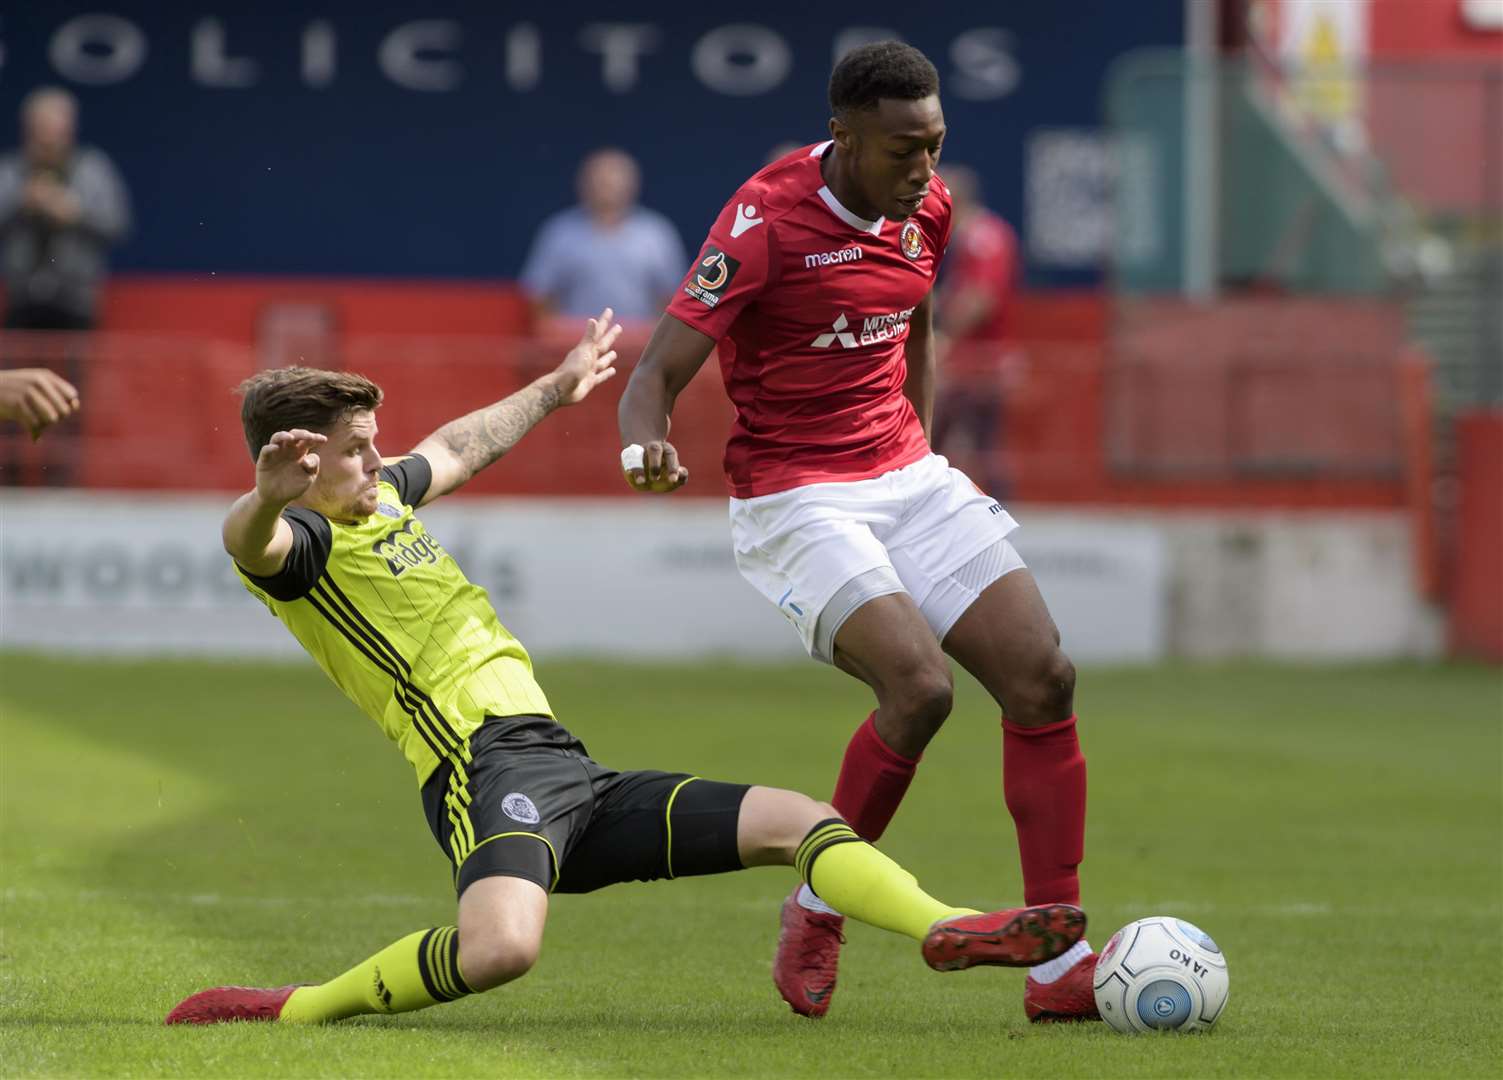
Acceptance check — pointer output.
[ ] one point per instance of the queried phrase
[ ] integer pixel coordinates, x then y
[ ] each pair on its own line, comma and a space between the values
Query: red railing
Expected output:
1176, 421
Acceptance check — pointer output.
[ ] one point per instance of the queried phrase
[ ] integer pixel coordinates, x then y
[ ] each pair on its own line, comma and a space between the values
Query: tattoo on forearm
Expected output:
485, 434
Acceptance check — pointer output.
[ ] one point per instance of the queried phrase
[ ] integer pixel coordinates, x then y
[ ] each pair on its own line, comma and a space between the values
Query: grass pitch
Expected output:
169, 826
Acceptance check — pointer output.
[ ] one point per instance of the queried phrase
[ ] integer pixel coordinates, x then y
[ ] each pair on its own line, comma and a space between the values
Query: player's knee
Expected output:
923, 701
496, 958
807, 813
1045, 693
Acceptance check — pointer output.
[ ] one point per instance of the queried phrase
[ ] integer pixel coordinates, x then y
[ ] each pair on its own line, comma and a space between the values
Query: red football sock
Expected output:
873, 780
1044, 785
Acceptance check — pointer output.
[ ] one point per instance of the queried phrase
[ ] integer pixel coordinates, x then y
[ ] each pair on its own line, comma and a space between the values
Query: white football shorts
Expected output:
820, 551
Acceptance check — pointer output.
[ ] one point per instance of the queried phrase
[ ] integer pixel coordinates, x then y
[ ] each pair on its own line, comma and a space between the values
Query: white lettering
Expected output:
987, 70
211, 65
524, 57
737, 59
741, 60
405, 55
879, 328
875, 329
97, 49
319, 53
619, 45
827, 258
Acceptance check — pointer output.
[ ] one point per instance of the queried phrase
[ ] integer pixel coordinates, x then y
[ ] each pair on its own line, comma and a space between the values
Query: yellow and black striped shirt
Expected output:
391, 618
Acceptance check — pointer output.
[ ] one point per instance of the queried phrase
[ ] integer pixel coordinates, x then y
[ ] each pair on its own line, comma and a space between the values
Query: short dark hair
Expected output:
300, 397
883, 69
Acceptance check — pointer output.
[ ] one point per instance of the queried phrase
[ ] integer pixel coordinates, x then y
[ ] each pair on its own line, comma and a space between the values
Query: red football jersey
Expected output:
810, 305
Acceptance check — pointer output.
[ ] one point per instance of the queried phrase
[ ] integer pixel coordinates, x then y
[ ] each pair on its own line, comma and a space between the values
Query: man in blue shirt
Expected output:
607, 251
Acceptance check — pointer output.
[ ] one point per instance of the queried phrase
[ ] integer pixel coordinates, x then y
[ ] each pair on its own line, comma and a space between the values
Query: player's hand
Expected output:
36, 397
660, 471
288, 465
588, 364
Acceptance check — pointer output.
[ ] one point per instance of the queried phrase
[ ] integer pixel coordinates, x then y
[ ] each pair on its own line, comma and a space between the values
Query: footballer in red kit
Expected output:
816, 282
811, 306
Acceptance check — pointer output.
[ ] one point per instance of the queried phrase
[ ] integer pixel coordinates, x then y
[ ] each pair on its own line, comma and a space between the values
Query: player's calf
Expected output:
773, 823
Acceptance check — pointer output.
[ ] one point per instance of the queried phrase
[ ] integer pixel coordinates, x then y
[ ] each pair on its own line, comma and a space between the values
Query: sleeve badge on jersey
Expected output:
911, 240
711, 276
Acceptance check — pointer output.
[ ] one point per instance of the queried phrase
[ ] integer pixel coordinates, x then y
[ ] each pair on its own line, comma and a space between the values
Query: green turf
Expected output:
168, 826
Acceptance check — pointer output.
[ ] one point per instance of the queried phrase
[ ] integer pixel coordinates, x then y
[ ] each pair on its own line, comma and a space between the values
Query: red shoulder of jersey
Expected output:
739, 259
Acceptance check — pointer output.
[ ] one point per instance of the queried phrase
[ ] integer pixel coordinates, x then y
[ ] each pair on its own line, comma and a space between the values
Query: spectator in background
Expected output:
972, 305
606, 252
62, 206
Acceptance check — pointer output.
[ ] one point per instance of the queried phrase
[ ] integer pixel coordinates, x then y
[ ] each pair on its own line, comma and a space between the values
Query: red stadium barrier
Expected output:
1477, 593
1213, 429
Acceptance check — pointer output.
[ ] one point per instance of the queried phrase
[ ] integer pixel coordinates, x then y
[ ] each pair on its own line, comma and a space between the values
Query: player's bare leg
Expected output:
501, 923
497, 940
1009, 642
886, 644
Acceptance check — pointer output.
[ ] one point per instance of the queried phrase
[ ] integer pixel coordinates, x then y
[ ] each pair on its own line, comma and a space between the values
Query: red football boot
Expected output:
1069, 997
224, 1004
1017, 937
808, 951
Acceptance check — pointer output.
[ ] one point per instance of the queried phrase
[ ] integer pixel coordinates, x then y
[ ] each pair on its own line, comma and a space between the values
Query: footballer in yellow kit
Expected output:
329, 540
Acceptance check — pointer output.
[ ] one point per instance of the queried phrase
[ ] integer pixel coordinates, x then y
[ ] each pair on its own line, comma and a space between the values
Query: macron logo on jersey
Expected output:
746, 218
829, 258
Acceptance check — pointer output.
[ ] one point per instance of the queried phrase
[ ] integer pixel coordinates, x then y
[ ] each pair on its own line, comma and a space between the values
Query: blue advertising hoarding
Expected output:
423, 140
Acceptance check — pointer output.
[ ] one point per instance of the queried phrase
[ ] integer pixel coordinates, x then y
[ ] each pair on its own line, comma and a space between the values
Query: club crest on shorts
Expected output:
911, 240
519, 807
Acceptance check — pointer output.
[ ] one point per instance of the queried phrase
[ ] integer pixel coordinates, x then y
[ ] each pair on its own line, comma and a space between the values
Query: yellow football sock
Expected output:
857, 880
420, 970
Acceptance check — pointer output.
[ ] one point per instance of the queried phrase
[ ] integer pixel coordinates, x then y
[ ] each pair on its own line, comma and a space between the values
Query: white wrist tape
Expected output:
631, 457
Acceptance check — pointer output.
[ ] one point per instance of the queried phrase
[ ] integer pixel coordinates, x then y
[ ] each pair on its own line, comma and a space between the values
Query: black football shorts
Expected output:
530, 803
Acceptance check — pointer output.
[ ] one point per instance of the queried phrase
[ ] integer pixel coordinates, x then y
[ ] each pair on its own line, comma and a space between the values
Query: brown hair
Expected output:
300, 397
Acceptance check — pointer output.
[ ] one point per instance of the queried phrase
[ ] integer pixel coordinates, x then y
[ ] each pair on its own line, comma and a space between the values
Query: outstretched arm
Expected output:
673, 355
254, 533
461, 448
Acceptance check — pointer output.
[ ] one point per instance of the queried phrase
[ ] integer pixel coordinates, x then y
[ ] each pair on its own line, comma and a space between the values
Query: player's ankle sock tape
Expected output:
826, 834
